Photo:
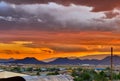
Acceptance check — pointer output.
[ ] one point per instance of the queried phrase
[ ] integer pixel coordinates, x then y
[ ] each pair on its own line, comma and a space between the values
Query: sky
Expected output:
58, 28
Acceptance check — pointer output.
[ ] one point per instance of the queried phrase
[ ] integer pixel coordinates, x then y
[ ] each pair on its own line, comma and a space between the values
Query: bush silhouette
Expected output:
17, 78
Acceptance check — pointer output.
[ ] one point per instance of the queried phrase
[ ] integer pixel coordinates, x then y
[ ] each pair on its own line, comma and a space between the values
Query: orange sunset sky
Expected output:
48, 29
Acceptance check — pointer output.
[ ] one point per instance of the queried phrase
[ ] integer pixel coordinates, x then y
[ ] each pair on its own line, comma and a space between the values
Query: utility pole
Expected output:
111, 61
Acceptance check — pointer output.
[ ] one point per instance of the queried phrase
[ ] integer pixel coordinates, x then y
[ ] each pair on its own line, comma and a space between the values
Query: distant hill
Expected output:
99, 56
105, 61
65, 61
28, 60
75, 61
90, 57
6, 60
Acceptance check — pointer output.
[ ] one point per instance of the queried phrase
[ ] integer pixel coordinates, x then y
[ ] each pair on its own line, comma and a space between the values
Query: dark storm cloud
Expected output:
55, 17
98, 5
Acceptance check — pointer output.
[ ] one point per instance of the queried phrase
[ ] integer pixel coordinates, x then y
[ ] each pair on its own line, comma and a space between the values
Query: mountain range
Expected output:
90, 57
27, 60
75, 61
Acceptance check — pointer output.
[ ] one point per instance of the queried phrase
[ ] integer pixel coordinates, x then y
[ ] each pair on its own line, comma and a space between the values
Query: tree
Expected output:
54, 73
101, 76
78, 79
38, 73
16, 69
29, 69
74, 73
118, 76
86, 76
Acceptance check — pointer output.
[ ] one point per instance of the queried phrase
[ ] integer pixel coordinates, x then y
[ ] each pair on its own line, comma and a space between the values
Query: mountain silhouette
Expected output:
76, 61
6, 60
105, 61
65, 61
28, 60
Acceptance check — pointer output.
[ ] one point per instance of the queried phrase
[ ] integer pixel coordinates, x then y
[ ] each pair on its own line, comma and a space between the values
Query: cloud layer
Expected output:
56, 17
98, 5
